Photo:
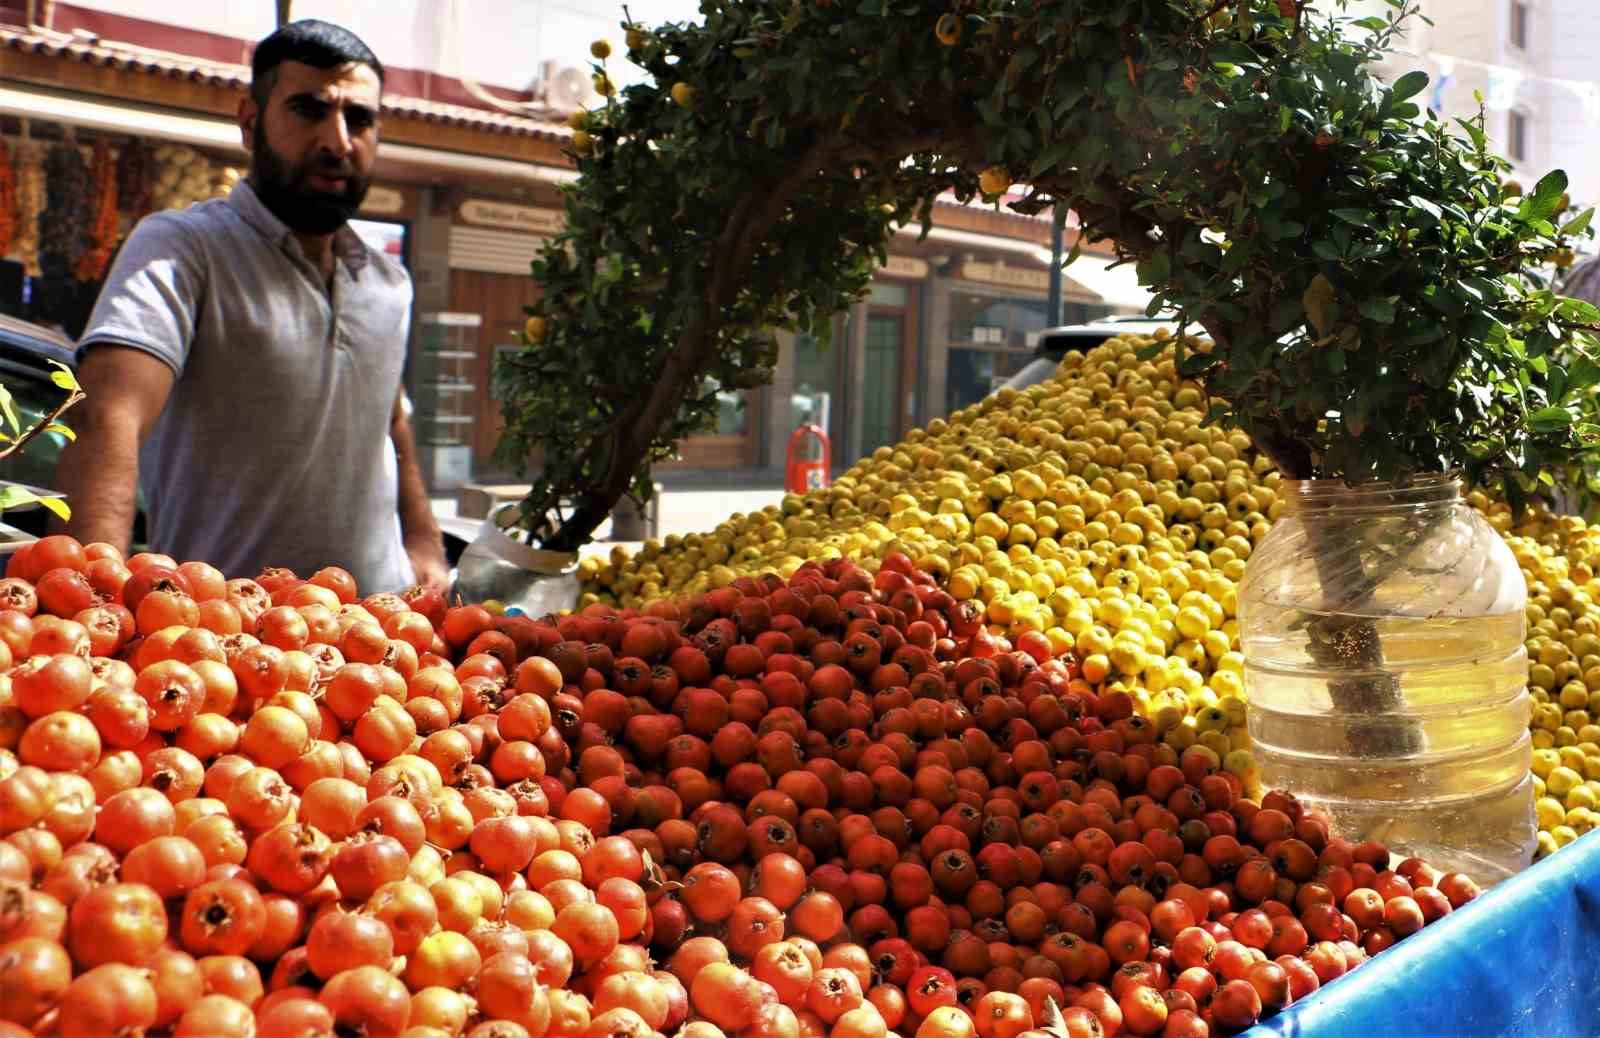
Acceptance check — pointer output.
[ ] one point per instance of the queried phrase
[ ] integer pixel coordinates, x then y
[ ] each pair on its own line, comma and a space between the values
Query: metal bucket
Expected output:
497, 566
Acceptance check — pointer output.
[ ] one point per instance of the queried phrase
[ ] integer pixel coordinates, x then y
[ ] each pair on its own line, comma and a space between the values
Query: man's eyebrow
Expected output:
309, 98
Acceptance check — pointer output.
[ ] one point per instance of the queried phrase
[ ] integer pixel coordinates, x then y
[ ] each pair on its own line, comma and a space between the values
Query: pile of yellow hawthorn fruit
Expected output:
1099, 511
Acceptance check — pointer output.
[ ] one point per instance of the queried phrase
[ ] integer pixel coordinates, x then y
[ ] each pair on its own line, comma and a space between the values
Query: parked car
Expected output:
1056, 343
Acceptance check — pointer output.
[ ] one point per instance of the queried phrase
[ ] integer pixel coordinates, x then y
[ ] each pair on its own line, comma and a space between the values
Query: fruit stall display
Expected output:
1096, 514
831, 803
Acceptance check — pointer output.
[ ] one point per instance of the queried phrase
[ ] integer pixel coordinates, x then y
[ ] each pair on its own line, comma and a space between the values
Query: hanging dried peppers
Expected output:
65, 219
8, 200
133, 178
30, 204
100, 232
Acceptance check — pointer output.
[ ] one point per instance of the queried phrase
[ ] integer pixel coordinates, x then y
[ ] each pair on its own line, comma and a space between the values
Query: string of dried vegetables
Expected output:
65, 219
30, 205
8, 199
133, 178
100, 234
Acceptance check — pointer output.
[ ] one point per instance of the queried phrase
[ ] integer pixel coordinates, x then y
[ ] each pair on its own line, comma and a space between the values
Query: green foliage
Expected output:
1367, 279
16, 437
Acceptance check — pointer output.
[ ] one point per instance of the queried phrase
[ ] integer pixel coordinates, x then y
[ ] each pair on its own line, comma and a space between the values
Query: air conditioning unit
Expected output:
567, 88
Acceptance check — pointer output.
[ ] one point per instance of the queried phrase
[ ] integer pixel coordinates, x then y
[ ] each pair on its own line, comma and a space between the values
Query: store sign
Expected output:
906, 267
383, 201
526, 218
1000, 274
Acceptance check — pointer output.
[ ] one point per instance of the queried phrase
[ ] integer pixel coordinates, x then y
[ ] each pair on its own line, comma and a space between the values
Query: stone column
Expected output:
778, 421
855, 371
936, 347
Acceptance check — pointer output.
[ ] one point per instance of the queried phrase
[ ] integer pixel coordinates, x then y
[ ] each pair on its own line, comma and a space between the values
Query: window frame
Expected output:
1517, 25
1517, 126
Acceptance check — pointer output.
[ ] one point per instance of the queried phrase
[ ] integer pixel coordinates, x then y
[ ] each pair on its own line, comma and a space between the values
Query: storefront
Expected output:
990, 310
935, 333
465, 197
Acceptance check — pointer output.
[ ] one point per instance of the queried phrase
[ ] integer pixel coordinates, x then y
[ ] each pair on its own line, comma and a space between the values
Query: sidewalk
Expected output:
692, 501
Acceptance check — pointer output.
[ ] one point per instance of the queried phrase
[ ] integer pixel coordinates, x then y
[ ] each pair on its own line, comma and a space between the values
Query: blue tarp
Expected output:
1521, 961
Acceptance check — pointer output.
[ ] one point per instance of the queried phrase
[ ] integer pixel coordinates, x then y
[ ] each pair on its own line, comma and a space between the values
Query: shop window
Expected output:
816, 370
994, 321
884, 293
733, 416
990, 336
973, 374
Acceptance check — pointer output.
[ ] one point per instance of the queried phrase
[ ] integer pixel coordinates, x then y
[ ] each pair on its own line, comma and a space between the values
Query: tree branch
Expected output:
41, 425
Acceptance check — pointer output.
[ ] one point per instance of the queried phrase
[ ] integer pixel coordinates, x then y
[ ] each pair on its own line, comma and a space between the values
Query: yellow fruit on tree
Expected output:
994, 181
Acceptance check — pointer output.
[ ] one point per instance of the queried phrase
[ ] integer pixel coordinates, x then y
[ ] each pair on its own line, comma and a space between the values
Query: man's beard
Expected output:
281, 187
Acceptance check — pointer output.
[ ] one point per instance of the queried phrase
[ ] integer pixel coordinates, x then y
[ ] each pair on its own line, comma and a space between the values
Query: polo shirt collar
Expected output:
347, 244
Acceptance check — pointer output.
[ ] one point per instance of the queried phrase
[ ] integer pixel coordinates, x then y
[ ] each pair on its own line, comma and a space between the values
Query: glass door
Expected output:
880, 389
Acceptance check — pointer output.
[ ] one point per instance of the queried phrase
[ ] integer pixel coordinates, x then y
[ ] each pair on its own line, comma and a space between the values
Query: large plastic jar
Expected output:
1382, 628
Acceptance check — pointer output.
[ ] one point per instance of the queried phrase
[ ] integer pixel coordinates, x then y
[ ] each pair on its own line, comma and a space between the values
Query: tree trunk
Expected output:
1347, 642
1344, 641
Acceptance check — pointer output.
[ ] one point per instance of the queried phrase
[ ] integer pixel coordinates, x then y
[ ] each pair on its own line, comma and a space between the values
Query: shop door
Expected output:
880, 386
500, 299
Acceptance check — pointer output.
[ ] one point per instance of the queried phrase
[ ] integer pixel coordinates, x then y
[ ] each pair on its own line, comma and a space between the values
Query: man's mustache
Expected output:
333, 169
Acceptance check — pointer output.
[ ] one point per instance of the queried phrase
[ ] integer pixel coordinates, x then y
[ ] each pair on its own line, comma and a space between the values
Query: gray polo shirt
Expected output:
274, 447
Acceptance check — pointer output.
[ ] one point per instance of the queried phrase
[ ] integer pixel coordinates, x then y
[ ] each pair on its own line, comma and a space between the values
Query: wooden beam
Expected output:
190, 95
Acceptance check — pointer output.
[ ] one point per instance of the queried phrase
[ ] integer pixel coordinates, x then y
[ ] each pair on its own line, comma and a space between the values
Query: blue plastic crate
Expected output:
1521, 961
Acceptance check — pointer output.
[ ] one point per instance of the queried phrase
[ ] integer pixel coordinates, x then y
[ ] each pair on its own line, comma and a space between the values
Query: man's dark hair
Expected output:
311, 42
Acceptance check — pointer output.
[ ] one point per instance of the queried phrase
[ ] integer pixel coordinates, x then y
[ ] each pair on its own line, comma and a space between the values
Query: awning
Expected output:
222, 135
1072, 287
1118, 286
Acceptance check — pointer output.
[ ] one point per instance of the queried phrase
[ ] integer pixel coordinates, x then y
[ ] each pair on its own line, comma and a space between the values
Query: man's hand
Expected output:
420, 530
429, 564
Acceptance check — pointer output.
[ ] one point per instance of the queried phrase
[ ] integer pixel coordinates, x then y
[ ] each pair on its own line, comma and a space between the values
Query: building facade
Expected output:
468, 188
1534, 64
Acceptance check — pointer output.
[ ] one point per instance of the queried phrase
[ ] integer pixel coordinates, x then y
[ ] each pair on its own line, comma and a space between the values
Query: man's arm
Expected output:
124, 392
420, 530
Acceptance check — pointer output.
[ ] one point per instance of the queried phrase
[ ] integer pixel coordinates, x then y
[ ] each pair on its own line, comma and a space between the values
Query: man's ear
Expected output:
246, 117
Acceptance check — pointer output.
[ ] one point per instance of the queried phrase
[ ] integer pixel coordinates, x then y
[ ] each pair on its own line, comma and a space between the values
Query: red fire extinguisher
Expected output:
810, 473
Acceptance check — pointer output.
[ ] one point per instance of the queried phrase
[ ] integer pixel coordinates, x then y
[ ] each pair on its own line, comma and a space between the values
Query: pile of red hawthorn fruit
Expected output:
829, 806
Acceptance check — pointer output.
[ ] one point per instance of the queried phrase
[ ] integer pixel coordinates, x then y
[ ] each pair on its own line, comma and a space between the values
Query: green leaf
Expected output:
14, 496
57, 427
1427, 207
1408, 85
1317, 298
1582, 374
63, 377
1052, 156
1578, 224
1378, 309
1549, 419
1546, 197
9, 410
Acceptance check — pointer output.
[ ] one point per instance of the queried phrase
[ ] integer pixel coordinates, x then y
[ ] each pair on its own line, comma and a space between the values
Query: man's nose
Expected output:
334, 135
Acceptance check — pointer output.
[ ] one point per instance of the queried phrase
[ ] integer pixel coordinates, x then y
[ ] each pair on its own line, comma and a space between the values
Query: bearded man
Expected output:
243, 363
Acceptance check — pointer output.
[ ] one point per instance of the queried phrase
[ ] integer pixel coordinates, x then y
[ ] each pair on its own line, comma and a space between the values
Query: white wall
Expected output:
501, 42
244, 19
1563, 44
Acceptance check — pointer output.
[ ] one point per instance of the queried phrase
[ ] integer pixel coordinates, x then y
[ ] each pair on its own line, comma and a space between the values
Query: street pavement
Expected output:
690, 503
